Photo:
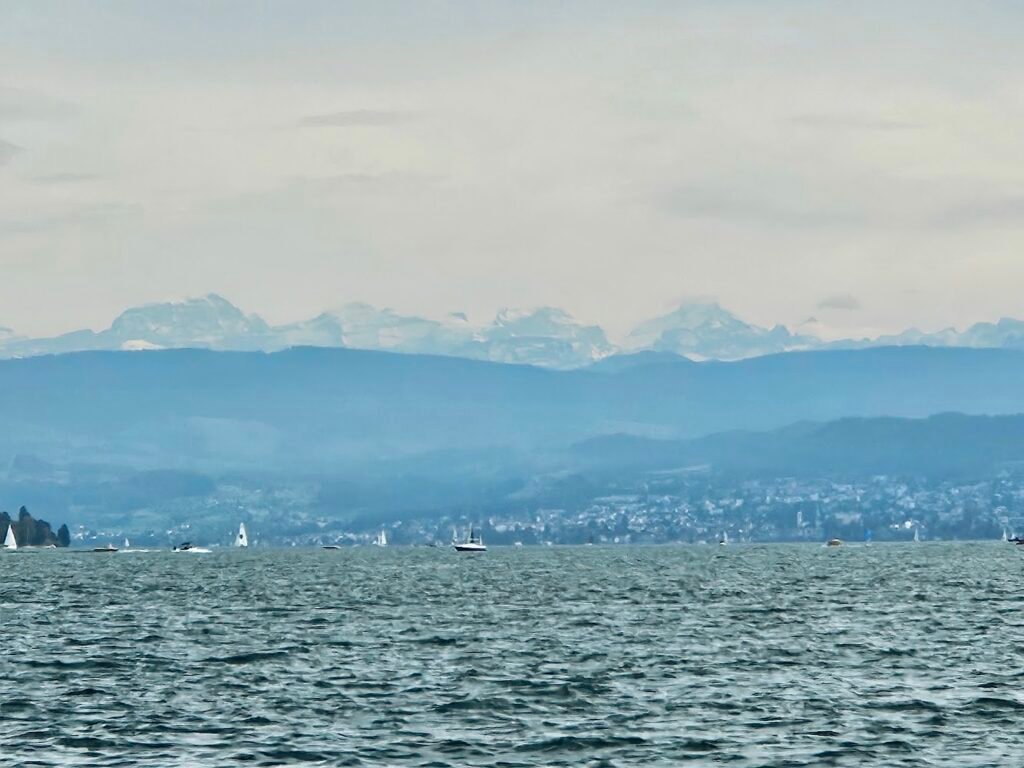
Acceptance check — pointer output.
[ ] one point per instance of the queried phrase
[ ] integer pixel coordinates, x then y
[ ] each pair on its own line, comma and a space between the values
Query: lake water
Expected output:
890, 655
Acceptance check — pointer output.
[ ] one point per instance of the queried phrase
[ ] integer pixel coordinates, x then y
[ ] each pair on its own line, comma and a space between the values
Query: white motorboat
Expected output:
473, 543
188, 546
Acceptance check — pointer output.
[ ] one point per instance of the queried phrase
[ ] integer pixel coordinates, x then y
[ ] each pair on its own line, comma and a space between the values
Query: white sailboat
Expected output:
242, 539
381, 540
127, 544
917, 536
473, 543
10, 542
724, 539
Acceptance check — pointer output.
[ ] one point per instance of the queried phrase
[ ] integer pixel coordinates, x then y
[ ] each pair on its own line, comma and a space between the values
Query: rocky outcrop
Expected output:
31, 532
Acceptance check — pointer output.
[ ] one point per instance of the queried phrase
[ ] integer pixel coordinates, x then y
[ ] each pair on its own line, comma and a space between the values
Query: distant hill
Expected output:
314, 409
949, 444
29, 532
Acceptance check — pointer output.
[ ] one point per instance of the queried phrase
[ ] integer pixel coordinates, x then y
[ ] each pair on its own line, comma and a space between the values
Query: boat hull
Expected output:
470, 548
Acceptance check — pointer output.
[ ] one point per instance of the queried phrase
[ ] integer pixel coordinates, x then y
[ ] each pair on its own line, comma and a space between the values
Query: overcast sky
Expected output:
860, 162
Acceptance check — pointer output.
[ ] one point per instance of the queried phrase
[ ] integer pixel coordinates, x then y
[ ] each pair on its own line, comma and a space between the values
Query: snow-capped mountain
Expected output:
324, 330
210, 322
367, 327
545, 334
546, 337
704, 330
1006, 333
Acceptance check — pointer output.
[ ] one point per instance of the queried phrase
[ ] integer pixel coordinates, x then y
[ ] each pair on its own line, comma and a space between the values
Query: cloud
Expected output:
8, 151
19, 104
696, 202
850, 122
64, 178
992, 211
356, 118
843, 301
80, 216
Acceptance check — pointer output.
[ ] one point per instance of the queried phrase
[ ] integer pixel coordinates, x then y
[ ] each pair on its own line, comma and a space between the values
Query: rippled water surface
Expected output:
894, 655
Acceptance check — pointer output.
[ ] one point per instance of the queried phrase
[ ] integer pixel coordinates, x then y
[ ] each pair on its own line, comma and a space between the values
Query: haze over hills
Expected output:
547, 336
317, 408
943, 445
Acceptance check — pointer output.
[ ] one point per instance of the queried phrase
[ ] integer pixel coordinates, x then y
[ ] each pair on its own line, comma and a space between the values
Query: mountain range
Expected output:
547, 337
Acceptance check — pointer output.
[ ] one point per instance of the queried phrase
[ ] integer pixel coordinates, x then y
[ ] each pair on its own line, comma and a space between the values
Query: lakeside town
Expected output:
671, 508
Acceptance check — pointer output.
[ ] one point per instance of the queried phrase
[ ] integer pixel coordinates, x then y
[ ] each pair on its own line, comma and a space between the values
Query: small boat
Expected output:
242, 539
723, 540
381, 540
473, 543
127, 544
107, 548
10, 542
188, 546
833, 543
331, 546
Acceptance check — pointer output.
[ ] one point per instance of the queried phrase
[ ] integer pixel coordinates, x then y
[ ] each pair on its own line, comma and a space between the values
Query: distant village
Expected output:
668, 509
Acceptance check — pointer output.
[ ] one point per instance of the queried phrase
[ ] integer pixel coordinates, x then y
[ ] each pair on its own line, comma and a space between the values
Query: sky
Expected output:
859, 162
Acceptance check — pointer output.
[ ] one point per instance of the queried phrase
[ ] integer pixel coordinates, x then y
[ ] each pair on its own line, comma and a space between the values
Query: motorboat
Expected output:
106, 548
473, 543
833, 543
188, 546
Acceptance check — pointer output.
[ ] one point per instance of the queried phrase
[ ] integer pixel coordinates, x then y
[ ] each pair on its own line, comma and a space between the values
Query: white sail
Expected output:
127, 544
10, 542
242, 540
917, 536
